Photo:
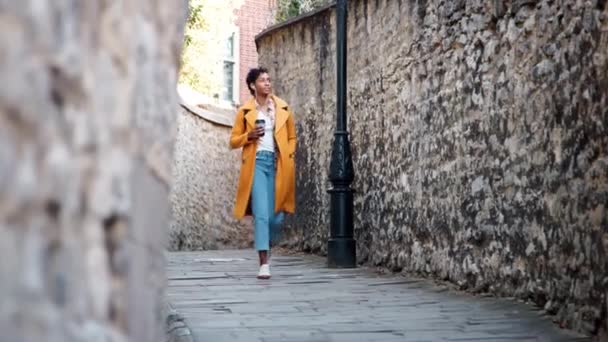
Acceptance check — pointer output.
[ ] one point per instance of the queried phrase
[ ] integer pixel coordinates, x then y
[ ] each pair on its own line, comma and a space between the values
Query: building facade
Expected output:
251, 19
220, 48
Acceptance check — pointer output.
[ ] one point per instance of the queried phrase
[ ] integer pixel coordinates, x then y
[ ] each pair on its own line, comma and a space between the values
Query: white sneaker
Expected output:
264, 272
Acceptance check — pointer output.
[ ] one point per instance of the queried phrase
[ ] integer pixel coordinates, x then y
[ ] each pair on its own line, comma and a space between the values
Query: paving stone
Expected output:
305, 301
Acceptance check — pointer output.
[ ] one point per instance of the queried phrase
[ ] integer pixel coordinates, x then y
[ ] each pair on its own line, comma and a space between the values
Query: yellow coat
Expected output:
285, 139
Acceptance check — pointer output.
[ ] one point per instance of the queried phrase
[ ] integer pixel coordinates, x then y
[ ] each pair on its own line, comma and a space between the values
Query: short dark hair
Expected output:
253, 75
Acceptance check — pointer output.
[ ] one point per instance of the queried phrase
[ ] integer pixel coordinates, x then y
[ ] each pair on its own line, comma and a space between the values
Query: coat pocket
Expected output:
247, 152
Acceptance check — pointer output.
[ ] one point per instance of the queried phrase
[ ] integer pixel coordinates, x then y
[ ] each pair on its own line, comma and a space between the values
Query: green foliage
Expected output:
291, 8
195, 22
191, 72
294, 8
193, 47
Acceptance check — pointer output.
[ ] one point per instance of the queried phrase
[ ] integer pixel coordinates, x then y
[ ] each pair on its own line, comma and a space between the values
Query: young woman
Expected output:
266, 187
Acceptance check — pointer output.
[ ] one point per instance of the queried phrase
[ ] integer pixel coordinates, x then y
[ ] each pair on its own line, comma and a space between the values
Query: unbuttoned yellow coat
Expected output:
285, 140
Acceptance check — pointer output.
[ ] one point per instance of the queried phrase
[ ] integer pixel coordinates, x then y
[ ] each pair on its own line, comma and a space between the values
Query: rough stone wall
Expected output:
86, 139
205, 174
480, 134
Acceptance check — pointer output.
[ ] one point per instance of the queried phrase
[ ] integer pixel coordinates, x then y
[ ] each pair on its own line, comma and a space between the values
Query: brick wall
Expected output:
252, 18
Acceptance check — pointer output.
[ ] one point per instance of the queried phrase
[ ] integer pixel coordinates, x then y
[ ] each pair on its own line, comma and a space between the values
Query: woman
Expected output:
267, 182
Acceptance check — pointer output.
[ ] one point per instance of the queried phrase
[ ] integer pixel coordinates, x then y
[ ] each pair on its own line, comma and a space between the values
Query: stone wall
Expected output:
205, 179
480, 133
86, 140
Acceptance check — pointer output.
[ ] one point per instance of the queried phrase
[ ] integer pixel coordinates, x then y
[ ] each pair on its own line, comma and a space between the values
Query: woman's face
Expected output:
262, 85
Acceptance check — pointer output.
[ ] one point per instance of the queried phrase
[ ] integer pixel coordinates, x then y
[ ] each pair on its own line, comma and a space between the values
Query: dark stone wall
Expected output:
480, 141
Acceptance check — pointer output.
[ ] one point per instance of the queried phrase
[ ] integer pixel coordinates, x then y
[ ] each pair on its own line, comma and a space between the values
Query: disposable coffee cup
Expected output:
260, 123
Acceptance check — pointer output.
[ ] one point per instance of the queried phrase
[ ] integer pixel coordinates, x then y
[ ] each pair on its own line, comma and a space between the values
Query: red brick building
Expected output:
253, 17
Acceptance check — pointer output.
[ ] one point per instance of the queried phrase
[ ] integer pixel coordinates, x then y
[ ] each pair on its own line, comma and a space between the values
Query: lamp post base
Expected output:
341, 253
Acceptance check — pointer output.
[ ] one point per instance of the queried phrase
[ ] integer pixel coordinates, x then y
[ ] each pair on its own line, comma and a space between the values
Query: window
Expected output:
229, 53
228, 86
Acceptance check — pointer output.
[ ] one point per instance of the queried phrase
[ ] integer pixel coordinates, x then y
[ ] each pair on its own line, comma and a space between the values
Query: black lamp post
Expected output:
341, 247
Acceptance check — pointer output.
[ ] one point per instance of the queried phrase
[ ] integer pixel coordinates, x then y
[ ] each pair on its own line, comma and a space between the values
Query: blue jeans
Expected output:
266, 222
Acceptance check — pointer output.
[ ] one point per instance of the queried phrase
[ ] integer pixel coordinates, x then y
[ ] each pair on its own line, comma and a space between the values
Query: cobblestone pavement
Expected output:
221, 300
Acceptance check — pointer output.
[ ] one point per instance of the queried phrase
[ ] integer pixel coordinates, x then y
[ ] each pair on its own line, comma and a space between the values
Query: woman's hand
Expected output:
256, 133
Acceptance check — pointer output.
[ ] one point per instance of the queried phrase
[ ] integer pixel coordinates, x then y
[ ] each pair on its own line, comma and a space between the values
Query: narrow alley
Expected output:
148, 146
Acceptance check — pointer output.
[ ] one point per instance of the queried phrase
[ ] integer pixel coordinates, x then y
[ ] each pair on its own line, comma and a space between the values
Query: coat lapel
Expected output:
281, 109
282, 112
251, 114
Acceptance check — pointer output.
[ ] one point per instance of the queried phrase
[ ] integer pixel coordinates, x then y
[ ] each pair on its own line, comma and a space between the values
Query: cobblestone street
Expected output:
221, 300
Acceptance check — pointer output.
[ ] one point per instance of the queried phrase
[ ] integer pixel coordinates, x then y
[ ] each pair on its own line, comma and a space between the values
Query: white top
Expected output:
266, 143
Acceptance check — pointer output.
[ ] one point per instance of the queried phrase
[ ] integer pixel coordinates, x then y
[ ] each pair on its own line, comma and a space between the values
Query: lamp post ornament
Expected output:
341, 247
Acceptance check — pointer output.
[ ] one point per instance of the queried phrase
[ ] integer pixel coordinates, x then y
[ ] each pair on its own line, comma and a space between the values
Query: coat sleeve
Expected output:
291, 133
238, 136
